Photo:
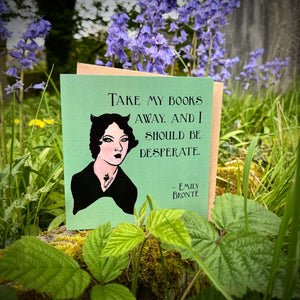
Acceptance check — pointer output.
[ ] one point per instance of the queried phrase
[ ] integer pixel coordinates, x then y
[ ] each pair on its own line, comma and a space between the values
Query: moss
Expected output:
2, 251
151, 284
230, 177
71, 245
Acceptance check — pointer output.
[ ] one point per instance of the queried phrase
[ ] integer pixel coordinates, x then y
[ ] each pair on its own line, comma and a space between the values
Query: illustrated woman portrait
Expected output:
111, 139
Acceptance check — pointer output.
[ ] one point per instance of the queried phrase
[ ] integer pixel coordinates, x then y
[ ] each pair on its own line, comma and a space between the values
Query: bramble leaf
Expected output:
202, 233
241, 260
238, 259
103, 269
8, 293
112, 291
166, 225
40, 266
228, 214
123, 238
142, 214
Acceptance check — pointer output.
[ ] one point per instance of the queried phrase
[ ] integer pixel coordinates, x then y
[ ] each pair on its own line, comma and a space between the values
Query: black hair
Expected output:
99, 125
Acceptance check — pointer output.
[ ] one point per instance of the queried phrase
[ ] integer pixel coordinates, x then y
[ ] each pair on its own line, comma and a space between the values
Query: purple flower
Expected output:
38, 28
12, 72
99, 62
40, 86
3, 8
10, 88
25, 54
32, 46
271, 70
4, 33
118, 38
173, 27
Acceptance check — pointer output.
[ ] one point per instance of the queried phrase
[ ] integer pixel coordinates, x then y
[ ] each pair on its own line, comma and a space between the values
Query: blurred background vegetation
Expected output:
79, 31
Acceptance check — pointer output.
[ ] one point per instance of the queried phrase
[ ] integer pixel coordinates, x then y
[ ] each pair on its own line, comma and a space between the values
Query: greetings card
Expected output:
125, 137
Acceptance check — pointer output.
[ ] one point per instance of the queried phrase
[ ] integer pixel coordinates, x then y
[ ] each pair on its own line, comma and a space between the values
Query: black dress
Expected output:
86, 189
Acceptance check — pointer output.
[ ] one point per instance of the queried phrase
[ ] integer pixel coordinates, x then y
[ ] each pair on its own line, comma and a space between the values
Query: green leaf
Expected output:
32, 229
241, 260
142, 214
103, 269
238, 259
202, 233
37, 265
57, 221
246, 174
8, 293
200, 262
16, 166
124, 237
293, 261
210, 293
166, 225
111, 291
228, 214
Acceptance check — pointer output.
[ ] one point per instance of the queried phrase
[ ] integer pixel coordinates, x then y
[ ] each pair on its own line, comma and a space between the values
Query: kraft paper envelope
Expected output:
88, 69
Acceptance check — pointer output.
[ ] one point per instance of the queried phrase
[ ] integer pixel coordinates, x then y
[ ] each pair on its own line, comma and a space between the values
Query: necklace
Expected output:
107, 180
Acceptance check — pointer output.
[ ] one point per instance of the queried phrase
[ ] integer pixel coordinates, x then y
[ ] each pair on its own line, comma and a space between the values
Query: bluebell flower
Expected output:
12, 72
4, 33
99, 62
16, 54
10, 88
38, 28
118, 38
271, 70
173, 27
40, 86
24, 52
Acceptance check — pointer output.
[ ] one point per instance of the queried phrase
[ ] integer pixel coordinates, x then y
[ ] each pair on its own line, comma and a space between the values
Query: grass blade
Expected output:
291, 211
246, 174
294, 241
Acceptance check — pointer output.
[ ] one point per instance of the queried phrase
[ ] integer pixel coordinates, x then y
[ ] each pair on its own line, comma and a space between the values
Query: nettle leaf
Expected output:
166, 225
107, 268
112, 291
202, 233
228, 214
37, 265
124, 237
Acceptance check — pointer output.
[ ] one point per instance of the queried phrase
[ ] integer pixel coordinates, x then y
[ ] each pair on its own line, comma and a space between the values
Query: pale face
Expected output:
114, 145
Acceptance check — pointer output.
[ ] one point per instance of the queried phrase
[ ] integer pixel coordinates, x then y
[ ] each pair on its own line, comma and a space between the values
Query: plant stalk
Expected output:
136, 266
164, 270
191, 284
2, 125
12, 148
209, 53
21, 117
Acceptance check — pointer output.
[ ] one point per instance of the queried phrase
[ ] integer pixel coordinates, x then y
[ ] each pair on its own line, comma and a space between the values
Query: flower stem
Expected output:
209, 53
194, 43
2, 126
21, 134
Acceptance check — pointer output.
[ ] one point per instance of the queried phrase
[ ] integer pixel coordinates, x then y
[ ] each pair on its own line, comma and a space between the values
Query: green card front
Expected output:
125, 137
